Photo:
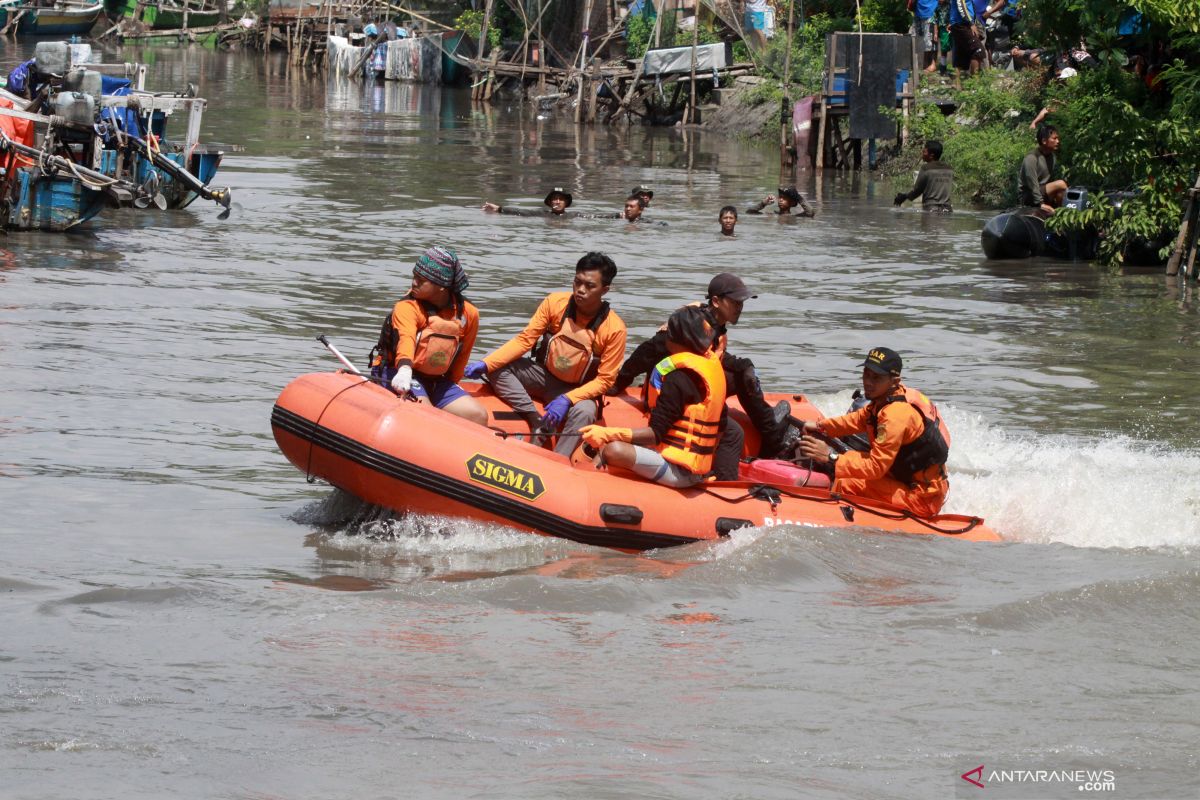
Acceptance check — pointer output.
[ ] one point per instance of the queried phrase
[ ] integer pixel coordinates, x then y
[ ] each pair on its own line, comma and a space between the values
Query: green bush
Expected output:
472, 21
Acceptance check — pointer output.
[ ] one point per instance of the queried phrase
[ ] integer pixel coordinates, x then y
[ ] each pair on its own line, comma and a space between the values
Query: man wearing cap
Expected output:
557, 202
575, 343
426, 341
644, 194
723, 307
906, 465
685, 441
935, 181
789, 198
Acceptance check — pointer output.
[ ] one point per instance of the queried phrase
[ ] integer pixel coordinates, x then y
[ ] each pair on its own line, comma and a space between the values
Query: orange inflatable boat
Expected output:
411, 457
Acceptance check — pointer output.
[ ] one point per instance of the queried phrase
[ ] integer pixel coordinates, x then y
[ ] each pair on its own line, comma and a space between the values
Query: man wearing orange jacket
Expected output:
906, 465
577, 344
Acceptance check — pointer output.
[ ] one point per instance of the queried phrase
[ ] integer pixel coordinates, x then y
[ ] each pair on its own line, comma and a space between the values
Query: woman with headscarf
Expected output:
426, 341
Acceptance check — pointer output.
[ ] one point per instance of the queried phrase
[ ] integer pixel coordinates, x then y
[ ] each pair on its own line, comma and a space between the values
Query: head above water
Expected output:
561, 194
688, 329
728, 217
644, 193
633, 207
790, 195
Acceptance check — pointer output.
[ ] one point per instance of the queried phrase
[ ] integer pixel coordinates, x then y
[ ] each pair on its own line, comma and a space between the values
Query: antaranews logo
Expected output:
1082, 780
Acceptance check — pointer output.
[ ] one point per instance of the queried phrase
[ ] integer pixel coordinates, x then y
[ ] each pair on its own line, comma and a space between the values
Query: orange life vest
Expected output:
569, 353
931, 448
692, 439
437, 344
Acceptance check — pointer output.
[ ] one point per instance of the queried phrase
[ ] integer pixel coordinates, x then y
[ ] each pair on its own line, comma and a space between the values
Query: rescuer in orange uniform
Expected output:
687, 417
426, 341
574, 343
906, 465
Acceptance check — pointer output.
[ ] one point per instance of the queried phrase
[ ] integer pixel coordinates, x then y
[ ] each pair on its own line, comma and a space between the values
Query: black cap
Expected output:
689, 327
563, 192
643, 190
729, 285
791, 194
883, 361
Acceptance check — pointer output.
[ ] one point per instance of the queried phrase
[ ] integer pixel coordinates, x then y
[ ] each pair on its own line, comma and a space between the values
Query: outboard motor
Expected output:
52, 58
1076, 199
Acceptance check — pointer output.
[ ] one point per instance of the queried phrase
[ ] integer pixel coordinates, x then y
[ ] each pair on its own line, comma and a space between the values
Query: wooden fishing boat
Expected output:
411, 457
165, 15
56, 17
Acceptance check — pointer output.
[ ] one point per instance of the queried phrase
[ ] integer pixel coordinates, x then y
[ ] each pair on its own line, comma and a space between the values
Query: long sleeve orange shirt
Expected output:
410, 316
898, 425
609, 345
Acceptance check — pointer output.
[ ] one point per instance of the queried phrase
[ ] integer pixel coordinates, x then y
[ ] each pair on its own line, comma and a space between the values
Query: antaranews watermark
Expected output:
1065, 782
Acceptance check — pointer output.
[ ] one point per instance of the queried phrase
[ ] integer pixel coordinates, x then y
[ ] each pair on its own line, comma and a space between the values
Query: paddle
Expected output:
338, 355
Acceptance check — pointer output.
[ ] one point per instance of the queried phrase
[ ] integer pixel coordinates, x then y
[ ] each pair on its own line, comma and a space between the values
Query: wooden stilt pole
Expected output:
583, 55
691, 113
784, 117
1186, 230
478, 91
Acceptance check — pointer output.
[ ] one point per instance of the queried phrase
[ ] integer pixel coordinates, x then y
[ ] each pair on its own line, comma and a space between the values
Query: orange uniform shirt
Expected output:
899, 424
410, 316
609, 346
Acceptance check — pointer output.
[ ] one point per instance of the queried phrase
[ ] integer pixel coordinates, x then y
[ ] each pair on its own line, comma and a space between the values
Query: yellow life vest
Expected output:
692, 439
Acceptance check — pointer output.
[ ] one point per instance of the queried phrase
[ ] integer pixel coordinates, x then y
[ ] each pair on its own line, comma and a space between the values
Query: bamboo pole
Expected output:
691, 115
637, 75
477, 93
784, 117
587, 24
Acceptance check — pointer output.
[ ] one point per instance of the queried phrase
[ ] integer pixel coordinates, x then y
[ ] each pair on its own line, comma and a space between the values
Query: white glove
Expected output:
402, 381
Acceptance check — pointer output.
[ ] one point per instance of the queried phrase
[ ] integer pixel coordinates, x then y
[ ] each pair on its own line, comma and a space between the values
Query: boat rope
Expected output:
308, 476
895, 514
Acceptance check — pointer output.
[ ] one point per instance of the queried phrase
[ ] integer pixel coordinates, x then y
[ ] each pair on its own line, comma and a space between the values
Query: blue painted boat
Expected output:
49, 203
56, 17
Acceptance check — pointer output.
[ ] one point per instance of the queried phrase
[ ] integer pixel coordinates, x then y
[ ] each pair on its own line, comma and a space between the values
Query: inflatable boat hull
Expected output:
410, 457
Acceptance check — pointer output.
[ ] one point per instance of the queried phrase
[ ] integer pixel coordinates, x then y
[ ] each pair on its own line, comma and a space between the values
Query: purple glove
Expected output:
475, 370
556, 411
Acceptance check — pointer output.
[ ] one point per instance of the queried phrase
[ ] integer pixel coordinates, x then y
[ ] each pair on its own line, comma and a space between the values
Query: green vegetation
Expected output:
472, 22
1120, 131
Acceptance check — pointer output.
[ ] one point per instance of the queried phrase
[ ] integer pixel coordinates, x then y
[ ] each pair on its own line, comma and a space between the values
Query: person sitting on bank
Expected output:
728, 219
909, 442
1034, 187
644, 194
685, 438
935, 181
557, 202
425, 343
787, 199
577, 343
722, 307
